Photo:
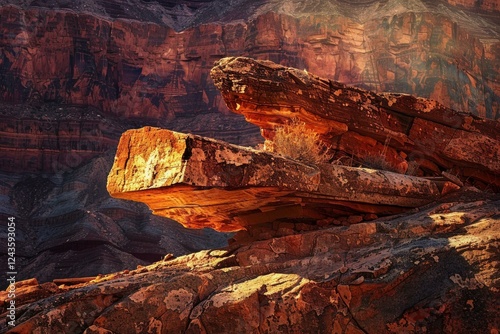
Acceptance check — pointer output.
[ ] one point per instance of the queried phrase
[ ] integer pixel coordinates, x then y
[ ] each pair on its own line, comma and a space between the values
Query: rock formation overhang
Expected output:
405, 129
202, 182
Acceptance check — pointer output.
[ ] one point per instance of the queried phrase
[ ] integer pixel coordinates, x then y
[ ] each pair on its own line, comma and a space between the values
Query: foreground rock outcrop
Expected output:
67, 225
434, 270
206, 183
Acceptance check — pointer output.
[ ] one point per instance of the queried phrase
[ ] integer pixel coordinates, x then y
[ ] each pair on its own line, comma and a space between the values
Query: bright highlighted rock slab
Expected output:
202, 182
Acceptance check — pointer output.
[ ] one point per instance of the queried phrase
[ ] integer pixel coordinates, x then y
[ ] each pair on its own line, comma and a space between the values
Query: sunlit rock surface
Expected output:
201, 182
433, 270
401, 129
67, 225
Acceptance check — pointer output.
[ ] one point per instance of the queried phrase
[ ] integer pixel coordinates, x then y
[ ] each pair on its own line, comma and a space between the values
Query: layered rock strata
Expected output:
54, 138
400, 129
431, 271
147, 60
206, 183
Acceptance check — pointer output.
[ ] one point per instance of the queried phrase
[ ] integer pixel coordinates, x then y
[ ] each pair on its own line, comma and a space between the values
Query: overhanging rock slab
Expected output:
202, 182
403, 129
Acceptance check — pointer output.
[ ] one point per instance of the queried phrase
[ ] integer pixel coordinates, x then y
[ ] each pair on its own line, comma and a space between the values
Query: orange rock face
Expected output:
201, 182
68, 225
400, 129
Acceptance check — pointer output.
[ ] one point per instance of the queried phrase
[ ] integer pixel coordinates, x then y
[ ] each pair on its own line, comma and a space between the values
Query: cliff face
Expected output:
157, 72
53, 138
149, 70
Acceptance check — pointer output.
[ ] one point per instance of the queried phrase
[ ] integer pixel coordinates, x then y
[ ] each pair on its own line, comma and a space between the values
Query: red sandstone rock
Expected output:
392, 128
67, 225
432, 271
201, 182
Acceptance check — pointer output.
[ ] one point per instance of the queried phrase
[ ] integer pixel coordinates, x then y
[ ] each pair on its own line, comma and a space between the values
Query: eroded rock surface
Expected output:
433, 270
54, 160
401, 129
206, 183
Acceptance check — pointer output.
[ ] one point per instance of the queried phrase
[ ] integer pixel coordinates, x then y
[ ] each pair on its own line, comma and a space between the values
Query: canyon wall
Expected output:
150, 73
147, 70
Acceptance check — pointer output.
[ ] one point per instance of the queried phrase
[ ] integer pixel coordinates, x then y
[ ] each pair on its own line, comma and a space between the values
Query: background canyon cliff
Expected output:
75, 74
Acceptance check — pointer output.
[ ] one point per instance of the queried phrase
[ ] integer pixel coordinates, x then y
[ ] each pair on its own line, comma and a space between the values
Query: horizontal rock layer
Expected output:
432, 271
149, 70
399, 129
206, 183
55, 138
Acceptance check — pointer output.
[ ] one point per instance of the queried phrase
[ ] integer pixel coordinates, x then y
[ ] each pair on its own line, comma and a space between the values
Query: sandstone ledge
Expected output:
202, 182
403, 129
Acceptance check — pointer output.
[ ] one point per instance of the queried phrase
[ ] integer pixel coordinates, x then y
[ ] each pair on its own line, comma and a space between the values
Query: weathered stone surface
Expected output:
432, 271
206, 183
399, 129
